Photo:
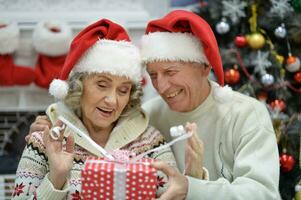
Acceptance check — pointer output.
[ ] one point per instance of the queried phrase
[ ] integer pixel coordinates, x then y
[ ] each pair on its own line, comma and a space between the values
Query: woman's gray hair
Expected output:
75, 91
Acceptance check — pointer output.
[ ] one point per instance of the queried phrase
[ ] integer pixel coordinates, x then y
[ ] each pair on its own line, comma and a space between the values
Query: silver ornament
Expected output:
280, 31
222, 27
267, 79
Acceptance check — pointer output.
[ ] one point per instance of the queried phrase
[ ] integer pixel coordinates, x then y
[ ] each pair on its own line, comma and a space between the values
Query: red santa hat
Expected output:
182, 36
103, 46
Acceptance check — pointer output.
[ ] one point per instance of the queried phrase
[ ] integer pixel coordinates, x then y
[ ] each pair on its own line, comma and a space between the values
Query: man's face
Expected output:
183, 85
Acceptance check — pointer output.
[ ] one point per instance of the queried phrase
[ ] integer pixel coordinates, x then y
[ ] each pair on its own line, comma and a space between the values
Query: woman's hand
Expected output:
40, 124
60, 160
194, 152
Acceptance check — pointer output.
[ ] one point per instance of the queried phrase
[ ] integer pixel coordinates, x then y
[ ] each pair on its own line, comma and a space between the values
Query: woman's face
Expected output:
104, 98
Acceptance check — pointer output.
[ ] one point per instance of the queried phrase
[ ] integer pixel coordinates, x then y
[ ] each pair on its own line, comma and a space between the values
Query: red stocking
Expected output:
51, 41
11, 74
47, 68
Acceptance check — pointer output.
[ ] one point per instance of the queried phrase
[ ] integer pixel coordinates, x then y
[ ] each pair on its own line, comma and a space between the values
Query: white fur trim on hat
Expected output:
9, 38
119, 58
166, 46
52, 43
58, 88
222, 94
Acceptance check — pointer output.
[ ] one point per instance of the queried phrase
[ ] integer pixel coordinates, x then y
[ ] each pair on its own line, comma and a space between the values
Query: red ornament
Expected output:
232, 76
262, 96
287, 162
240, 41
291, 59
297, 77
279, 104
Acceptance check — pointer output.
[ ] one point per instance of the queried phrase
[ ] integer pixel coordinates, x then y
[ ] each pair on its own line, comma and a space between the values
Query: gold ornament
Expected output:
256, 40
280, 58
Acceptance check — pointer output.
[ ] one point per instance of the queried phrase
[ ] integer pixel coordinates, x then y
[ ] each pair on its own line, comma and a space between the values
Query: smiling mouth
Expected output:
171, 95
105, 111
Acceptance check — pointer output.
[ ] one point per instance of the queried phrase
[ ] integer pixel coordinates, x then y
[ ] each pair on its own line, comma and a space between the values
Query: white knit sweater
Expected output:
241, 152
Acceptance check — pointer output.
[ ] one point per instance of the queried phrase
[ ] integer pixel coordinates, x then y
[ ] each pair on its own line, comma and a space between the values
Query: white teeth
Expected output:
173, 94
107, 110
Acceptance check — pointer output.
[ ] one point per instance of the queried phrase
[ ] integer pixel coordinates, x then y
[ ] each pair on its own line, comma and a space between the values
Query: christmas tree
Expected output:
260, 43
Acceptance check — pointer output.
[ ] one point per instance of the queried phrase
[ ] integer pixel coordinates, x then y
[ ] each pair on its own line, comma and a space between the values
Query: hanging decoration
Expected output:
240, 41
255, 40
278, 104
11, 73
222, 27
280, 31
234, 10
262, 96
280, 8
267, 79
287, 162
297, 77
232, 76
292, 63
261, 62
51, 40
279, 58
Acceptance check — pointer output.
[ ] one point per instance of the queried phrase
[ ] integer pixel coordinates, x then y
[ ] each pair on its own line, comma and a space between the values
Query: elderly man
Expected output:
241, 152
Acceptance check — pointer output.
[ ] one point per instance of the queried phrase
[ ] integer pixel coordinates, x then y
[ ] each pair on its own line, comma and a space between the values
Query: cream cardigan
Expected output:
131, 133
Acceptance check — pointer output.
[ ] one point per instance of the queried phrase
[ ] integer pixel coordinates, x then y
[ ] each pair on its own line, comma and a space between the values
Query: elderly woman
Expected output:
99, 89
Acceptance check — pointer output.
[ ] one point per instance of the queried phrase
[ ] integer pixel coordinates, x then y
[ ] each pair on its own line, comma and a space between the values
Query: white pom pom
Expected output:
222, 94
59, 89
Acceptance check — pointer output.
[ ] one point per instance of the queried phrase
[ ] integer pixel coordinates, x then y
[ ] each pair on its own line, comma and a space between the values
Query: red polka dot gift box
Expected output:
118, 179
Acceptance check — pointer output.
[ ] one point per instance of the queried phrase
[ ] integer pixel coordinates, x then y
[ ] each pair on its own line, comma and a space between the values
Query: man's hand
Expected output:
40, 124
194, 152
178, 183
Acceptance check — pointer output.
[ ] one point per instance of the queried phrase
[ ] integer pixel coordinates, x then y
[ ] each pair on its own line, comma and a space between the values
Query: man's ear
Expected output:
206, 69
